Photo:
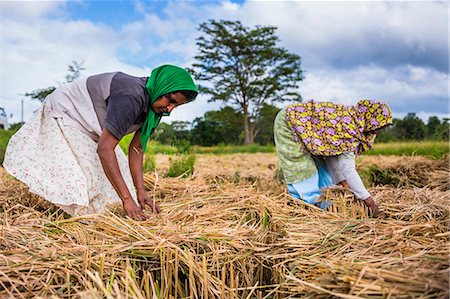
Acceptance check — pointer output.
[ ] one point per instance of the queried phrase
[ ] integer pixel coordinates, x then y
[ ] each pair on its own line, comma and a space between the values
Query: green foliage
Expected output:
15, 126
225, 126
149, 163
208, 132
234, 149
222, 126
246, 68
153, 147
265, 122
410, 127
413, 128
434, 149
184, 146
173, 133
436, 129
5, 135
181, 166
124, 143
164, 133
157, 148
372, 175
181, 130
74, 71
40, 94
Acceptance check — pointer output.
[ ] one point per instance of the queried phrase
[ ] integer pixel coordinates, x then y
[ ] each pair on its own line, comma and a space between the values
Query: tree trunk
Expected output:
247, 133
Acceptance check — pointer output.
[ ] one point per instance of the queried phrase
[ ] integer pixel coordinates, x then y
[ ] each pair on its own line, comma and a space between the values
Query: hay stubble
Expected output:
228, 232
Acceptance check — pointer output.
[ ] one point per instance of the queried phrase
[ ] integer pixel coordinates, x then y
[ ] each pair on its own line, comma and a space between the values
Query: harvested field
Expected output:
231, 232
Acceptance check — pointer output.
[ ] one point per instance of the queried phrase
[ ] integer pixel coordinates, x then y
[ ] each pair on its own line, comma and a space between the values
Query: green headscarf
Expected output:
164, 79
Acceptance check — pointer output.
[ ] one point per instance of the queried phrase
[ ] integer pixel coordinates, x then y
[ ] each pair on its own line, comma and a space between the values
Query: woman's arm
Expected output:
135, 160
348, 170
105, 150
332, 164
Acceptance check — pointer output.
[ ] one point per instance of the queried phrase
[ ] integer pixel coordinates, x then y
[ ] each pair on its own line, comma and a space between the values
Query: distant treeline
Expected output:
225, 126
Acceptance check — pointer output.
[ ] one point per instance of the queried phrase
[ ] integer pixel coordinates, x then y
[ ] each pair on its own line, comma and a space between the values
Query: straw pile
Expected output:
416, 171
224, 238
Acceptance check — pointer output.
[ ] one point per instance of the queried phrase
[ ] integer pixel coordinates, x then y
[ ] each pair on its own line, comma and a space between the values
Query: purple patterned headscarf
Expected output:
328, 129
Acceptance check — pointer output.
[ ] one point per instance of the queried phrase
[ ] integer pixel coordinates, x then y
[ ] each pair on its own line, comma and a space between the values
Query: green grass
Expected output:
4, 138
433, 149
149, 163
234, 149
181, 165
153, 147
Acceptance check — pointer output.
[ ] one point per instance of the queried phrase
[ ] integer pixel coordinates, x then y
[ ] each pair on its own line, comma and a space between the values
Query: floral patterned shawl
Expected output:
328, 129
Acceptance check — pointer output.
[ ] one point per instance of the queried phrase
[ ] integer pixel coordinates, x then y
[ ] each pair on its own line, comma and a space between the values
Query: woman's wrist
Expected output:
140, 193
127, 199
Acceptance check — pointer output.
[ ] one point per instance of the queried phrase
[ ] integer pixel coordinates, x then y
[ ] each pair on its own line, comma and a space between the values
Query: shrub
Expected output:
125, 142
149, 163
152, 146
4, 138
183, 146
181, 166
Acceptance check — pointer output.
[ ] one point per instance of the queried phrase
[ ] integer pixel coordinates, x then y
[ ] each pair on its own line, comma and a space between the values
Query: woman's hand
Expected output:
372, 206
145, 200
344, 184
136, 158
108, 158
133, 211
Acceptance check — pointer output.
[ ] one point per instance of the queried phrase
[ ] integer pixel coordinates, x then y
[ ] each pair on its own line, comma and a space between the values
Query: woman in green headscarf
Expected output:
68, 153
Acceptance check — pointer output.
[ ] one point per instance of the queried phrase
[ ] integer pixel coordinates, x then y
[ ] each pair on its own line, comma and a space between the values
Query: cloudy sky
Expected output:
396, 51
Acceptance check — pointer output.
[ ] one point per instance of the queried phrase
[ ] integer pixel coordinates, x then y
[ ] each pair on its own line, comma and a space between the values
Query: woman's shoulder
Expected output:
126, 84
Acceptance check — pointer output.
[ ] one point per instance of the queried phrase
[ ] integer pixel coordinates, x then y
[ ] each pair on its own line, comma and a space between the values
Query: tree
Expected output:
231, 120
222, 126
410, 127
434, 126
246, 68
74, 71
445, 129
265, 122
207, 132
164, 133
181, 130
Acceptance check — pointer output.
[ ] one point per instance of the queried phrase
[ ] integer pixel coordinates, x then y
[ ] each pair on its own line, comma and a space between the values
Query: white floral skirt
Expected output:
61, 164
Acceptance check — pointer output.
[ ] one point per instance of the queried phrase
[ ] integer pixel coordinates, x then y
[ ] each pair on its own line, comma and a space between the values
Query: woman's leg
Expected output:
325, 177
307, 190
310, 189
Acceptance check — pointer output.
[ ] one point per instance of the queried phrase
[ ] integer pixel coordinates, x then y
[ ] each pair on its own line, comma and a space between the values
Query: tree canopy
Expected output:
245, 68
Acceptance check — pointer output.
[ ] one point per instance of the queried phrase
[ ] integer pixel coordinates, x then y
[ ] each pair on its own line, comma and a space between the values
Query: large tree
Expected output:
246, 68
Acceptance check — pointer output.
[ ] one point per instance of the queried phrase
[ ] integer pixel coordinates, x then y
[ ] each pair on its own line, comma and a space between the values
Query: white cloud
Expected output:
349, 50
405, 89
35, 54
192, 110
27, 11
